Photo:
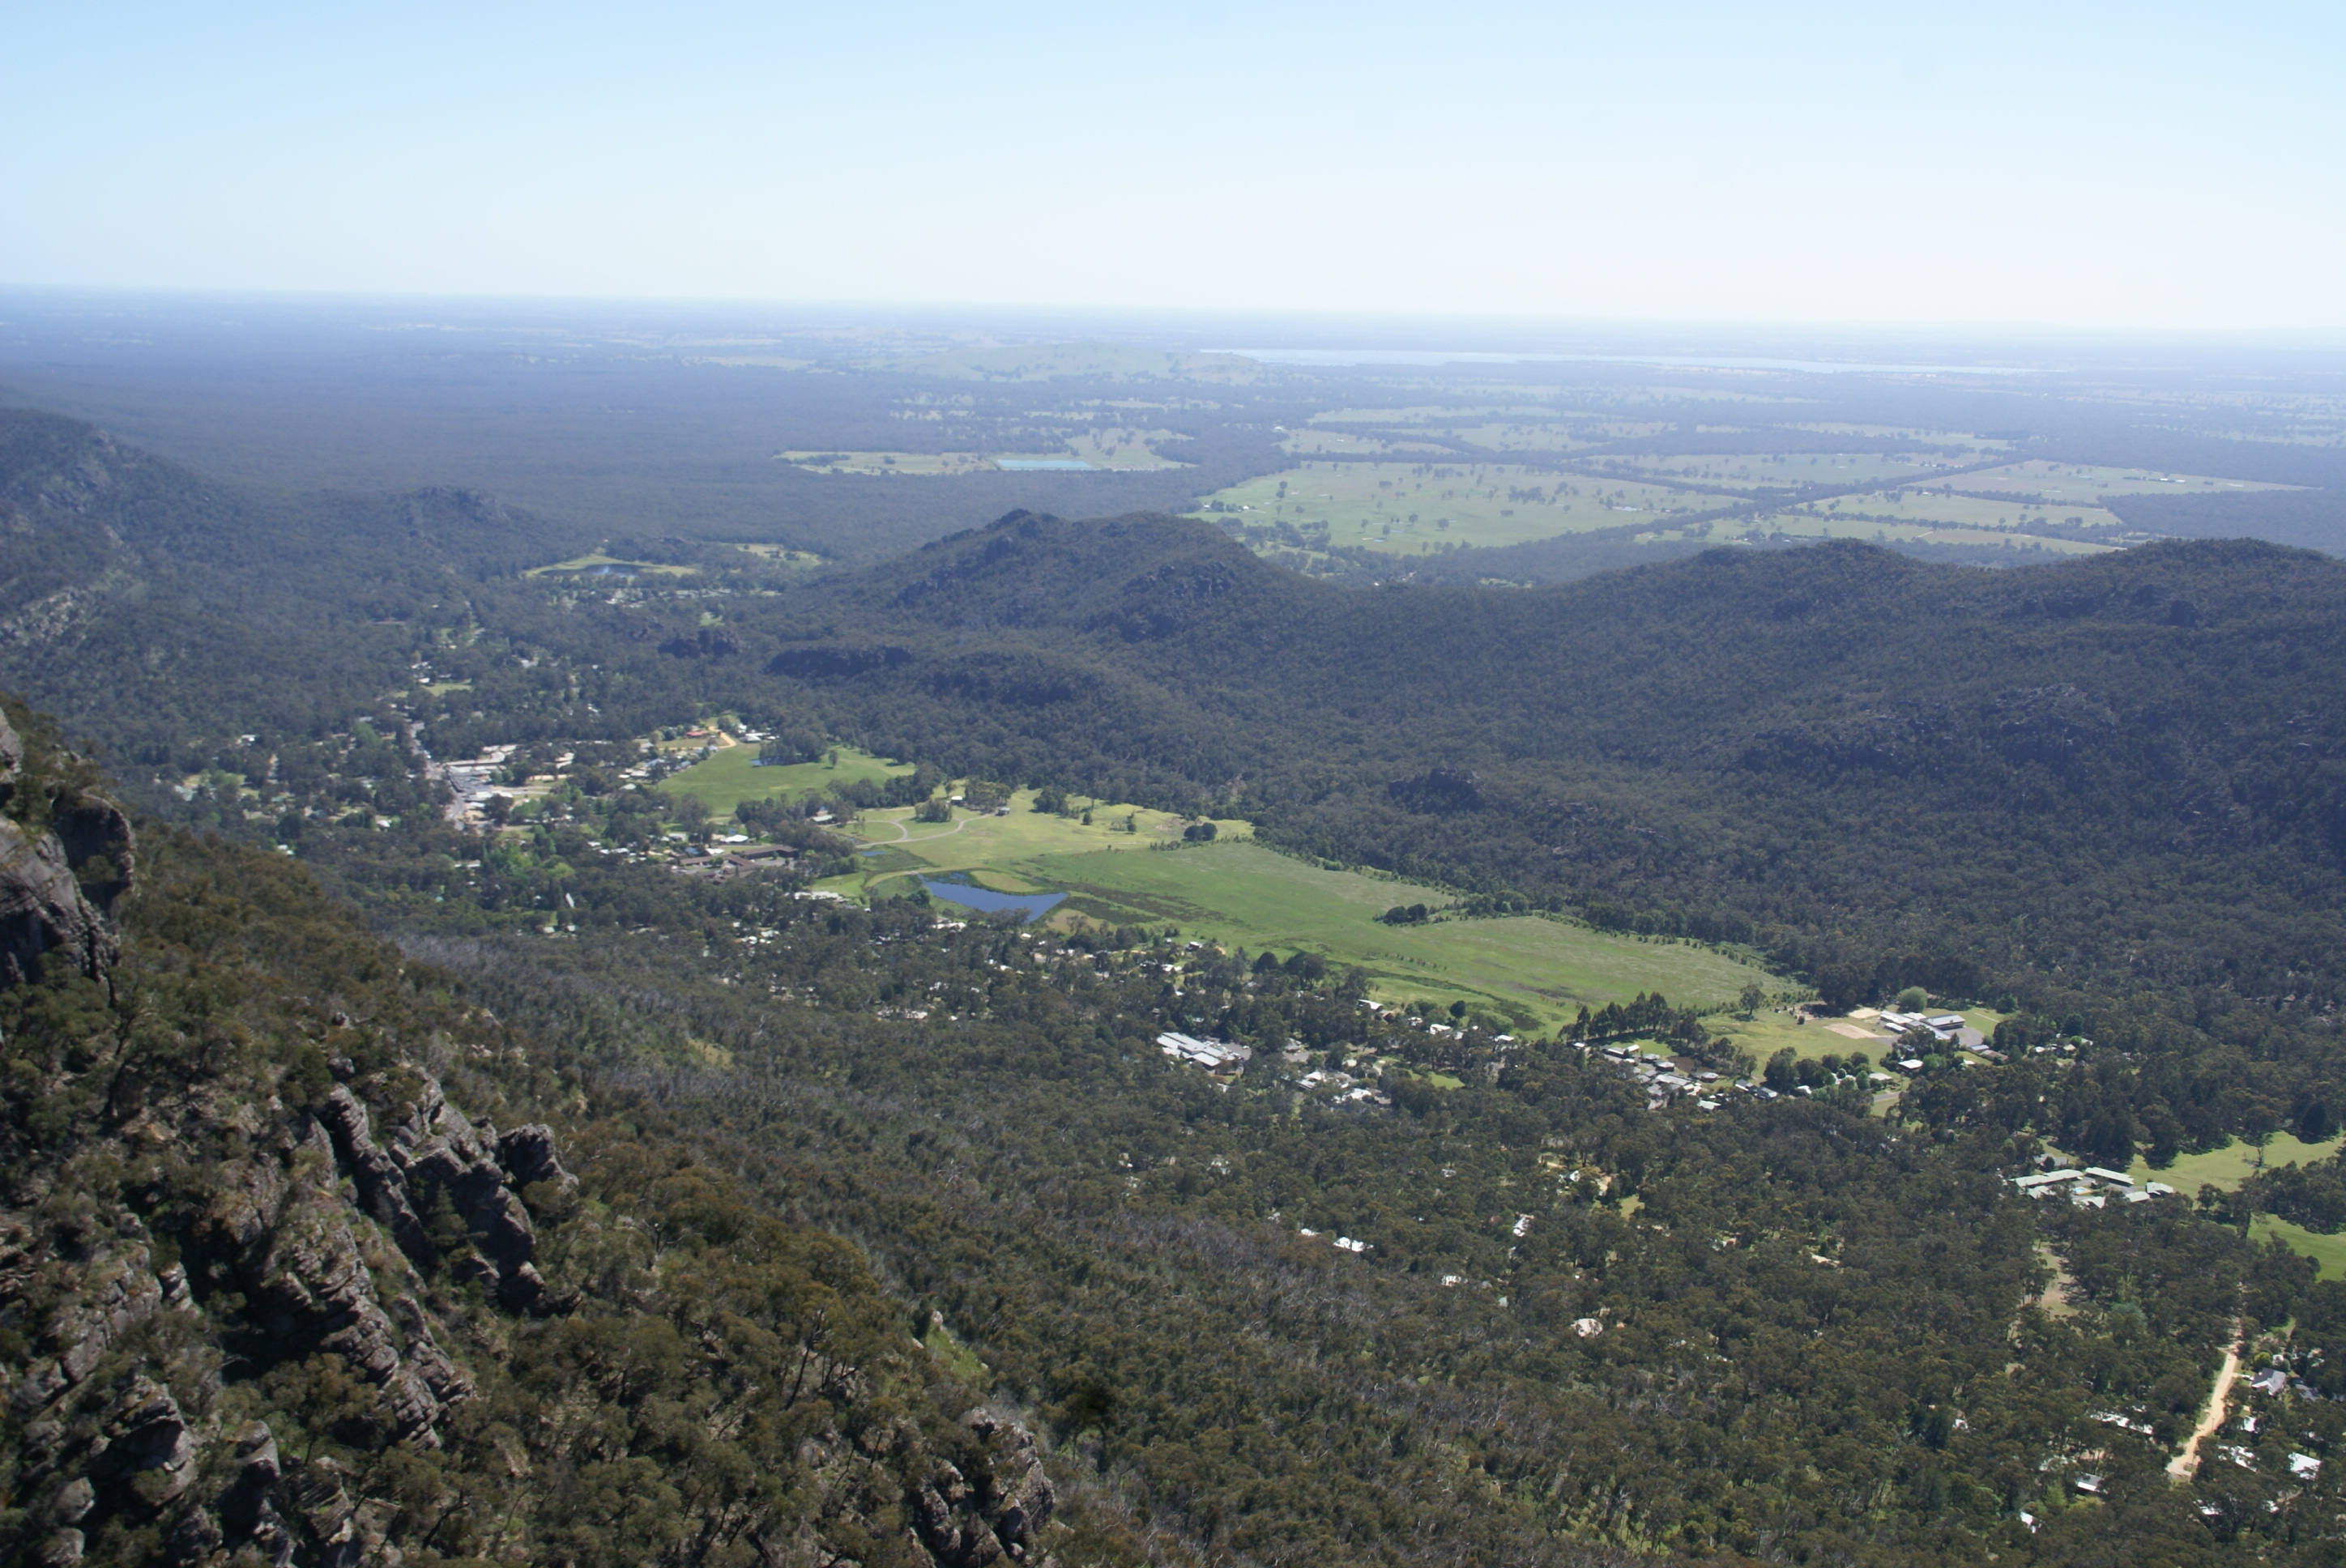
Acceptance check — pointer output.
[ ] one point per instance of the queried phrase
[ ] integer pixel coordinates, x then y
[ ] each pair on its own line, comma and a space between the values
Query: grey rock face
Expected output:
383, 1186
1019, 1497
43, 910
433, 1155
316, 1280
528, 1155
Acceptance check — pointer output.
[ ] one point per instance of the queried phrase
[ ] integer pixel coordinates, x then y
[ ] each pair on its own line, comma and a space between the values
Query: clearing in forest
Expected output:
1236, 893
1239, 894
1415, 508
728, 778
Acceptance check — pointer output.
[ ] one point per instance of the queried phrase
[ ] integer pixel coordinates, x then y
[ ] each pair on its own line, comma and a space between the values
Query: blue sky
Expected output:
2095, 165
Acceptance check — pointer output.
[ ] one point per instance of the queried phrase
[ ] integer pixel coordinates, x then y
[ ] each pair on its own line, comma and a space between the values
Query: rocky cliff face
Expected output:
270, 1293
65, 859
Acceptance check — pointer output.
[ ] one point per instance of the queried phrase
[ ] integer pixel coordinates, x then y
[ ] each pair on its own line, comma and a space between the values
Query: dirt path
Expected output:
2185, 1465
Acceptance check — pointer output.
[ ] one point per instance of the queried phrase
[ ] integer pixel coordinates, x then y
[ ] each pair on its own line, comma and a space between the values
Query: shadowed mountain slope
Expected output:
2096, 765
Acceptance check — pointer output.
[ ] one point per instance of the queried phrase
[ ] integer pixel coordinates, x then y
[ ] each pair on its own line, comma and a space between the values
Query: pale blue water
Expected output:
1019, 464
1036, 905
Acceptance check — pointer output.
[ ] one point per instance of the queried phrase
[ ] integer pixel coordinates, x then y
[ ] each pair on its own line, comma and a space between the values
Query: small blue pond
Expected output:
1025, 465
1035, 905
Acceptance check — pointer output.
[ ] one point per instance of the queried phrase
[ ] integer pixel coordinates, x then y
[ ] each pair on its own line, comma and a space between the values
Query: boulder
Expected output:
527, 1153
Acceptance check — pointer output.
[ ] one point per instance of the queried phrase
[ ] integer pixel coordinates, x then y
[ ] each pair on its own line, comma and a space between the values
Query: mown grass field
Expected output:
1409, 508
1236, 893
2328, 1252
1242, 894
730, 776
2229, 1166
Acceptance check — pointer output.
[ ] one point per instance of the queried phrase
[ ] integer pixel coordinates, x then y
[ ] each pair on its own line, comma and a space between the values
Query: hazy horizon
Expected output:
1823, 168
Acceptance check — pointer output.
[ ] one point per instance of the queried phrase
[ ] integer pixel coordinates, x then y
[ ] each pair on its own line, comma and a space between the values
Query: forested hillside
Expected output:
274, 1286
2121, 769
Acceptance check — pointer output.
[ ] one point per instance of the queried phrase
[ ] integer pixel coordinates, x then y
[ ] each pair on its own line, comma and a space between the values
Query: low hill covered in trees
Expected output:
2124, 769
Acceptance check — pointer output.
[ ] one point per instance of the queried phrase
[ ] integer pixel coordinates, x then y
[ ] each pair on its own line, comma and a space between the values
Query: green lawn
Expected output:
730, 776
2227, 1166
2328, 1252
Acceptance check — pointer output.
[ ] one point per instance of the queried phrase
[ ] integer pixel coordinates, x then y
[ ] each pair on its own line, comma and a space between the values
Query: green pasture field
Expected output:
2070, 484
883, 462
2229, 1166
1238, 895
993, 850
595, 558
1917, 504
728, 778
2328, 1252
1536, 437
1318, 443
1121, 449
1372, 505
1233, 893
1943, 519
1808, 526
1744, 471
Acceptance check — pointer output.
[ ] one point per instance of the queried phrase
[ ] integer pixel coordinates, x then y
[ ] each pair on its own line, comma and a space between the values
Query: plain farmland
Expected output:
1405, 506
1236, 893
726, 778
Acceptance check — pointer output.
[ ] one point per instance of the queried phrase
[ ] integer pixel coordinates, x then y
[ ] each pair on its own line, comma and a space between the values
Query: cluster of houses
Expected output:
471, 783
722, 861
1213, 1056
2091, 1187
1947, 1028
1663, 1078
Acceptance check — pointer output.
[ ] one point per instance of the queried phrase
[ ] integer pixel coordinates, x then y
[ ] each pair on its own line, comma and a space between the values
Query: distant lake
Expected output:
1035, 905
1067, 464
